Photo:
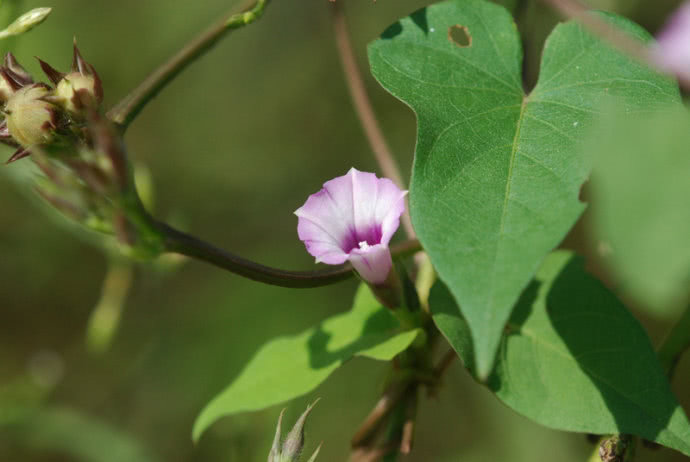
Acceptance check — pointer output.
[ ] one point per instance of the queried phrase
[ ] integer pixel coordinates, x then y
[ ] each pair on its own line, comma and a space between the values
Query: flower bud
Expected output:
294, 441
30, 119
26, 22
12, 77
78, 89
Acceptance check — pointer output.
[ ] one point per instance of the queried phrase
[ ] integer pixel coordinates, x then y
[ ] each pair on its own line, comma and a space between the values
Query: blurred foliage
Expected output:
234, 146
642, 220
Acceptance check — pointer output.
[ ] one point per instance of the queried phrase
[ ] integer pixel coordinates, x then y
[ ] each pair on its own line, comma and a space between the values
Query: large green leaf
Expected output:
641, 188
496, 175
574, 358
289, 367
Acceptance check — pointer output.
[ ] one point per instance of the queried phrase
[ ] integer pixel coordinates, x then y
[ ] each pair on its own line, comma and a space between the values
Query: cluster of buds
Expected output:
85, 172
291, 450
38, 116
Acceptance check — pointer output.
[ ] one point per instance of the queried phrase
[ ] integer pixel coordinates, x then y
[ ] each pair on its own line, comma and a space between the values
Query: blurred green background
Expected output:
233, 146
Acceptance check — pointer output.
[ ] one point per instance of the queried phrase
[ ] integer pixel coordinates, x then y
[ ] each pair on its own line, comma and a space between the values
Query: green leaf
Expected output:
575, 359
497, 175
641, 188
289, 367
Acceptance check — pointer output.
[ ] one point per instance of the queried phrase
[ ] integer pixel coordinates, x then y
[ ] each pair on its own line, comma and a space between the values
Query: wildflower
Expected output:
672, 51
353, 219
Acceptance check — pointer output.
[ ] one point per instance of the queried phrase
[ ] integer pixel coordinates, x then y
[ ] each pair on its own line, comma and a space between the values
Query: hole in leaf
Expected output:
460, 35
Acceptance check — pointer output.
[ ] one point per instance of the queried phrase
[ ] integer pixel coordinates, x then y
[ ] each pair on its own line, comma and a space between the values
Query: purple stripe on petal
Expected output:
353, 217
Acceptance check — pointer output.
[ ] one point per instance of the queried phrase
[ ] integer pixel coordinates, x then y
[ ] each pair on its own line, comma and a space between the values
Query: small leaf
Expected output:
641, 188
288, 367
575, 359
497, 173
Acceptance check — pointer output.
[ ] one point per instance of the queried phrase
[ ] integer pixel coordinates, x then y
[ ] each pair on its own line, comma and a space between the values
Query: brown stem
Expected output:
372, 423
445, 363
407, 437
364, 109
126, 110
371, 454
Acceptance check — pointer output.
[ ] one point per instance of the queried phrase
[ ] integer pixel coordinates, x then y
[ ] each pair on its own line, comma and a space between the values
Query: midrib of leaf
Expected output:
506, 199
550, 346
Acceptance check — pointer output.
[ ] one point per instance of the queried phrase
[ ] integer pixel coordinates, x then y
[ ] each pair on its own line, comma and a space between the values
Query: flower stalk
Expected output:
190, 246
129, 107
363, 108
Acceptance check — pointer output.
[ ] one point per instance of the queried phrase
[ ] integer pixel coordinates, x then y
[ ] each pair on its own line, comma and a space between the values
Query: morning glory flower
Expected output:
353, 219
672, 50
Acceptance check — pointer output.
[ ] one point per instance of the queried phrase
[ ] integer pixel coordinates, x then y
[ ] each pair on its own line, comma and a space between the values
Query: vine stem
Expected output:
363, 108
190, 246
129, 107
573, 9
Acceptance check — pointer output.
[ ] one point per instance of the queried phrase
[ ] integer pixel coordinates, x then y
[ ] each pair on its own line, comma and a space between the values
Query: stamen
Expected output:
364, 245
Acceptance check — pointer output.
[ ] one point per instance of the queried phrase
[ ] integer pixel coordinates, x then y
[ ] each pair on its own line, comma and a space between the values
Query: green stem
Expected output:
127, 110
185, 244
675, 344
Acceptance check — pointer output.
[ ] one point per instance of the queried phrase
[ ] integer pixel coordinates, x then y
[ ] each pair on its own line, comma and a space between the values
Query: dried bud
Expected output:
617, 448
78, 89
30, 119
26, 22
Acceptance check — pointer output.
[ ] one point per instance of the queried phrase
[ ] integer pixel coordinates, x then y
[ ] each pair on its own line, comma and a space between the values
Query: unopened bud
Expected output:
31, 120
294, 442
26, 22
76, 90
81, 88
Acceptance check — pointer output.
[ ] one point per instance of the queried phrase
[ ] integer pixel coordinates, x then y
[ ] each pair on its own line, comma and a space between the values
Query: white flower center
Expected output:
364, 245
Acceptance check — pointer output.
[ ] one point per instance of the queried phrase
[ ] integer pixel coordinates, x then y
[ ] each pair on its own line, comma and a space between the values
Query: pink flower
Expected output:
672, 51
353, 219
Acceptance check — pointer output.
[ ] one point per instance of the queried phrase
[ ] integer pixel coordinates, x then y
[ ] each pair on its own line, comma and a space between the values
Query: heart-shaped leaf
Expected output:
288, 367
497, 173
575, 359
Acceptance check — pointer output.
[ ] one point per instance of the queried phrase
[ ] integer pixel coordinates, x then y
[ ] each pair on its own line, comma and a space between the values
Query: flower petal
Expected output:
673, 48
372, 263
390, 205
351, 209
319, 219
